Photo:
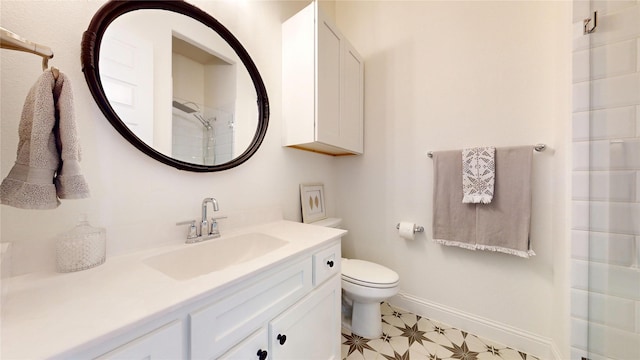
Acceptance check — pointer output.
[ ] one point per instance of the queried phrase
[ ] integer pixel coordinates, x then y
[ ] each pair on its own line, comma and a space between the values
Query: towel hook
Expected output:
45, 66
45, 63
586, 22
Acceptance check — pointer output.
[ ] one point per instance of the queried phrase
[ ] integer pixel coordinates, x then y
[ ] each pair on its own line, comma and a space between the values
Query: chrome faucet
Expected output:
207, 230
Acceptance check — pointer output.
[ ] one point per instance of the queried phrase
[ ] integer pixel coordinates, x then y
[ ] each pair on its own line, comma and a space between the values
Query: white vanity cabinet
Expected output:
322, 86
290, 311
292, 314
127, 309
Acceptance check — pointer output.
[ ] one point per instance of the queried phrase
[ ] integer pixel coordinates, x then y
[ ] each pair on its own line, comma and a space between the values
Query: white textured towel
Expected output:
478, 174
47, 164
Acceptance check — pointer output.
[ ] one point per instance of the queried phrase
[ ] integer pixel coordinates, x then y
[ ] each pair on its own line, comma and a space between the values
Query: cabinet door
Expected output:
311, 328
253, 347
340, 89
352, 100
163, 343
329, 60
217, 327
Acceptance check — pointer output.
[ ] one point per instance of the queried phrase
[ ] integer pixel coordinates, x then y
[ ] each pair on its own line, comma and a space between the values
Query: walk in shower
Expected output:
605, 281
201, 135
206, 101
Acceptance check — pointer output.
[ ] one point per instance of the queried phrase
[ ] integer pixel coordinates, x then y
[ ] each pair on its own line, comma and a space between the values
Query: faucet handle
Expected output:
192, 233
214, 225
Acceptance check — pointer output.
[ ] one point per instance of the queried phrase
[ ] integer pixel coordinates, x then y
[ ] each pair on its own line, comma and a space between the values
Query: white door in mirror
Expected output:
126, 65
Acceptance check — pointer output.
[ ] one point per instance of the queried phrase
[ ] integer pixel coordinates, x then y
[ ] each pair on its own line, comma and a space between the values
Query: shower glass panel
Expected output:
606, 182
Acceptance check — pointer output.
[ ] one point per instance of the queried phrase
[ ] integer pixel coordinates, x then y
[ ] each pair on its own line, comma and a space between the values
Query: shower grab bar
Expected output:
537, 147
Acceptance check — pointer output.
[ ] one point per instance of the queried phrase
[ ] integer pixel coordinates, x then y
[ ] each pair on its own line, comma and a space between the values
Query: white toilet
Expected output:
364, 286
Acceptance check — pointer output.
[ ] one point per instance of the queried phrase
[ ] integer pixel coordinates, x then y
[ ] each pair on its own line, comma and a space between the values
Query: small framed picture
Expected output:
312, 201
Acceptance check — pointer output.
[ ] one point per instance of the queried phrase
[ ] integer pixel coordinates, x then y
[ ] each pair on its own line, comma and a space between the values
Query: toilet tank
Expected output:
329, 222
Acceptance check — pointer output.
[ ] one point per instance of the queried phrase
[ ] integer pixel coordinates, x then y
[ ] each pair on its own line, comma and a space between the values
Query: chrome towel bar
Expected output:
537, 147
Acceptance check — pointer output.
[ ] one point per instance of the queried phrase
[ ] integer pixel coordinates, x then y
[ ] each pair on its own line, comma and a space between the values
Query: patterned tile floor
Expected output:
407, 336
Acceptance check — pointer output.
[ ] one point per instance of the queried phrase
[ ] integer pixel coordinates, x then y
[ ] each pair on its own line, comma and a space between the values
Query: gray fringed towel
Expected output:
504, 224
454, 222
47, 166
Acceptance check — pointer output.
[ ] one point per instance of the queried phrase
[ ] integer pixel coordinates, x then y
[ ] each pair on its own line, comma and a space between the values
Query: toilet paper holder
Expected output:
416, 228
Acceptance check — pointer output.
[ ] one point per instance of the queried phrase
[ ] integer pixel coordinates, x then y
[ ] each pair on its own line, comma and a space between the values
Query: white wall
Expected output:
137, 199
447, 75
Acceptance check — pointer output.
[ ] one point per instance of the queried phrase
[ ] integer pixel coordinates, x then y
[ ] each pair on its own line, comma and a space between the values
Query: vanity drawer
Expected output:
217, 327
326, 263
163, 343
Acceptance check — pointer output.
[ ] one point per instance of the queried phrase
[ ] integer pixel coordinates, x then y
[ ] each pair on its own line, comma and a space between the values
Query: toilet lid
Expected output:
360, 271
328, 222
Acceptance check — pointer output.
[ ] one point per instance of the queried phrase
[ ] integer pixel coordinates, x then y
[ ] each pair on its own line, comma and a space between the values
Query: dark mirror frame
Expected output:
90, 55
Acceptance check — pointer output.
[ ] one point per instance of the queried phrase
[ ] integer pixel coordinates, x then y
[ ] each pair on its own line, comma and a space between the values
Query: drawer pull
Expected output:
262, 354
330, 263
281, 339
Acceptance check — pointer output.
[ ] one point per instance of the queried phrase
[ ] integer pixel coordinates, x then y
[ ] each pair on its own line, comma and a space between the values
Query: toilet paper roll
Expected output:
406, 230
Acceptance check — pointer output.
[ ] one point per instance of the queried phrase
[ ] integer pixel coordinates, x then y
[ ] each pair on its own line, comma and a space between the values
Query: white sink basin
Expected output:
213, 255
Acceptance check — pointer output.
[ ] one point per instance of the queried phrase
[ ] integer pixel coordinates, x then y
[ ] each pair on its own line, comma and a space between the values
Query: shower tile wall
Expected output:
605, 282
188, 137
223, 127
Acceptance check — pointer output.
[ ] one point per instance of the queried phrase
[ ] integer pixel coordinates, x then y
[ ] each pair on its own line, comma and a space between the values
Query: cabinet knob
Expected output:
330, 263
262, 354
281, 339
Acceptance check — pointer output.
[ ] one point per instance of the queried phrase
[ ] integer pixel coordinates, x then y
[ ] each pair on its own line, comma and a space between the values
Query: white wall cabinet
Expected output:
322, 86
299, 300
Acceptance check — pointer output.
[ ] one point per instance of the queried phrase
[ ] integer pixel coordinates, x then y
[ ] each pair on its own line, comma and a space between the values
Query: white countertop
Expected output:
47, 314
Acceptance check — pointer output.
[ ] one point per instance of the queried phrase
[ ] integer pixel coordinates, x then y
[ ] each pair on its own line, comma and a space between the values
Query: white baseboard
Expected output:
518, 339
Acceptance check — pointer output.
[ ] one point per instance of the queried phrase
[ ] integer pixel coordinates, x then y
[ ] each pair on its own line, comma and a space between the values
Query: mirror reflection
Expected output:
178, 86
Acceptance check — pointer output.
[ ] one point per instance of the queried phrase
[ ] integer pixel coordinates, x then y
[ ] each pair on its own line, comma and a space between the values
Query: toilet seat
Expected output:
365, 273
369, 284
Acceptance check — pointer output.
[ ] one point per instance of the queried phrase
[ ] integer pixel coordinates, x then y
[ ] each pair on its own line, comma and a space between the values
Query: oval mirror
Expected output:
175, 83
